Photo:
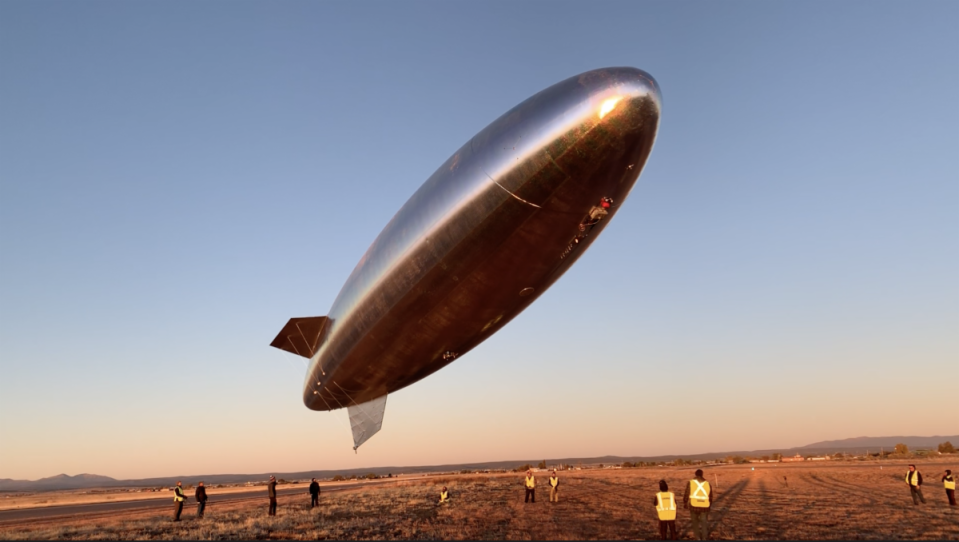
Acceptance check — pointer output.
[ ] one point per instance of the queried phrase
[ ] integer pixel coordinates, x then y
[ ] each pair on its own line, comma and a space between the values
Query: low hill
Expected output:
60, 481
874, 443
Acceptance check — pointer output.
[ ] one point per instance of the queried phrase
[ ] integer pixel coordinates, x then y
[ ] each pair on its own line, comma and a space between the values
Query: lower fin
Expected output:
366, 419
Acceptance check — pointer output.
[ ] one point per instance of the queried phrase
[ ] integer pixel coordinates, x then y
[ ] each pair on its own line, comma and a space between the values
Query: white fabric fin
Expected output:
366, 419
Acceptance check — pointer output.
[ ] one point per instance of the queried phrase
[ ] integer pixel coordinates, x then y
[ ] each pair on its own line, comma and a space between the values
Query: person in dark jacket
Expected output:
949, 482
200, 500
271, 490
178, 499
314, 493
914, 480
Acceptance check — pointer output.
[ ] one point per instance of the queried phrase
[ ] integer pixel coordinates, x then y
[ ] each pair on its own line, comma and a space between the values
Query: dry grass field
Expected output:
813, 501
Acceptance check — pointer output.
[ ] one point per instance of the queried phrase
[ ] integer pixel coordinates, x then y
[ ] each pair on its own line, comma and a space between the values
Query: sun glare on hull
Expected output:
608, 105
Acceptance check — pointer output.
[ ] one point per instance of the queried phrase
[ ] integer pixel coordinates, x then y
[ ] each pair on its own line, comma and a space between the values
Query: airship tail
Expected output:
301, 336
366, 419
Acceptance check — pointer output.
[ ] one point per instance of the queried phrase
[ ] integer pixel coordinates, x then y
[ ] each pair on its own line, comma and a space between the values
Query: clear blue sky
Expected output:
179, 178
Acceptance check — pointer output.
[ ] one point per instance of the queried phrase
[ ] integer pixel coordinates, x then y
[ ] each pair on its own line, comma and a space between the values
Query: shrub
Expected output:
947, 448
902, 449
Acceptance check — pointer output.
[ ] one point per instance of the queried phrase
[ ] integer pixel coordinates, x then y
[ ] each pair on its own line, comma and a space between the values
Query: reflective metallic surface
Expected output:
485, 235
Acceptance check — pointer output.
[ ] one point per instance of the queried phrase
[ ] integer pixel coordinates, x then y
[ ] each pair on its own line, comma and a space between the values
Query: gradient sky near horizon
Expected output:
177, 179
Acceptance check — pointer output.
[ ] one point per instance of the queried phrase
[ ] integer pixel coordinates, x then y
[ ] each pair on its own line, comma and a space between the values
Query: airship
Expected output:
487, 234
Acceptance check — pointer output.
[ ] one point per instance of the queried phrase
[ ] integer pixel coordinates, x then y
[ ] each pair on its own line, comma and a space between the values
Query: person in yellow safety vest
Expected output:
914, 480
697, 498
444, 496
553, 487
949, 482
665, 502
530, 487
178, 499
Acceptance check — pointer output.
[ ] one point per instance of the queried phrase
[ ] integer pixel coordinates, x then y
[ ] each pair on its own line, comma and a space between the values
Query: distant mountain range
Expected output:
60, 481
88, 481
888, 442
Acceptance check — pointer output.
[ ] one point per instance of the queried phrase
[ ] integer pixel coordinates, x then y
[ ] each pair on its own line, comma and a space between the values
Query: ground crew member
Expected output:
530, 487
271, 491
665, 502
314, 493
697, 498
553, 487
949, 482
444, 496
200, 500
914, 480
178, 499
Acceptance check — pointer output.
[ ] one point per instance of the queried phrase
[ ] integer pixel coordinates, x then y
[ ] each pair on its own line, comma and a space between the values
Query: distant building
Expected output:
796, 457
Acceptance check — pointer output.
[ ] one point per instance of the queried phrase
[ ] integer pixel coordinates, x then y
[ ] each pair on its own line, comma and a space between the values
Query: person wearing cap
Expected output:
697, 498
444, 496
553, 487
949, 482
200, 500
178, 499
271, 491
530, 487
665, 502
914, 481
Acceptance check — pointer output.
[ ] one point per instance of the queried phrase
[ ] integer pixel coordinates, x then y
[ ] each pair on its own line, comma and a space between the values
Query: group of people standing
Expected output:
914, 481
697, 498
179, 498
530, 485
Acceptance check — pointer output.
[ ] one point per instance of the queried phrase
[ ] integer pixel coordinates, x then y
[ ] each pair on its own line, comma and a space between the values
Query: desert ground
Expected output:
836, 500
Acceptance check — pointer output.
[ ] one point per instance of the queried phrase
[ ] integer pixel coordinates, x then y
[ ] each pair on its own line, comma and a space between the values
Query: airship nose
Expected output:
622, 90
619, 126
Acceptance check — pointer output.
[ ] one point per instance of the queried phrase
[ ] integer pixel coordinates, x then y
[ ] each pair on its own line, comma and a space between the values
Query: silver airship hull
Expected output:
486, 234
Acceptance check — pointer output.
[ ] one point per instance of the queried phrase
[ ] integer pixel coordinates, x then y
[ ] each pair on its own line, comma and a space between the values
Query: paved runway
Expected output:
166, 505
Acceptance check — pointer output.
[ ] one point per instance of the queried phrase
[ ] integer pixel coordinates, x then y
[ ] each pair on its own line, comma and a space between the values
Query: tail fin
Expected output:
301, 336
